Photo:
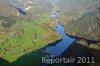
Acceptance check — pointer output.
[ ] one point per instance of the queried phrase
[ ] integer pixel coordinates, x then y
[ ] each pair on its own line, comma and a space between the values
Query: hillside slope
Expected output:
87, 27
74, 9
20, 35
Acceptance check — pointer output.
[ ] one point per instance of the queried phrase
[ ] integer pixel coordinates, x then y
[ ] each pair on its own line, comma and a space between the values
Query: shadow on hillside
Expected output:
33, 58
4, 62
77, 50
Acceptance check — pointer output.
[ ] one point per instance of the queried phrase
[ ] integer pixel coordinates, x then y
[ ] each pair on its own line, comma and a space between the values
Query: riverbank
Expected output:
59, 47
82, 48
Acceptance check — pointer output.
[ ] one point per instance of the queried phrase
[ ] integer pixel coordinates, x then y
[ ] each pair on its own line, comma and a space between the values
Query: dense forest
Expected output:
74, 9
88, 26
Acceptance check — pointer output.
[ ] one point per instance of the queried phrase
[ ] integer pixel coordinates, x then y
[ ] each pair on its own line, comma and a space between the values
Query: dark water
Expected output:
20, 10
61, 46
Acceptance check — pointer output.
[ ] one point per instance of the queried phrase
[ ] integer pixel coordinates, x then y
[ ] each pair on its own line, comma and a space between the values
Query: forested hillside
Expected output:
81, 18
87, 27
74, 9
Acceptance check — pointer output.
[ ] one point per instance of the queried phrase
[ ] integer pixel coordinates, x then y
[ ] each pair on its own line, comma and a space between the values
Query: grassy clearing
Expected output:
44, 19
24, 44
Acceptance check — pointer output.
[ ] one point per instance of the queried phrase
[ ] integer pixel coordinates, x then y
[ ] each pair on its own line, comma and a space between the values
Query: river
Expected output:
58, 48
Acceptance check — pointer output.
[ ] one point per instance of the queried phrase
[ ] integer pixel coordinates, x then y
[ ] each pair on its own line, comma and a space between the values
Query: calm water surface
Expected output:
62, 45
